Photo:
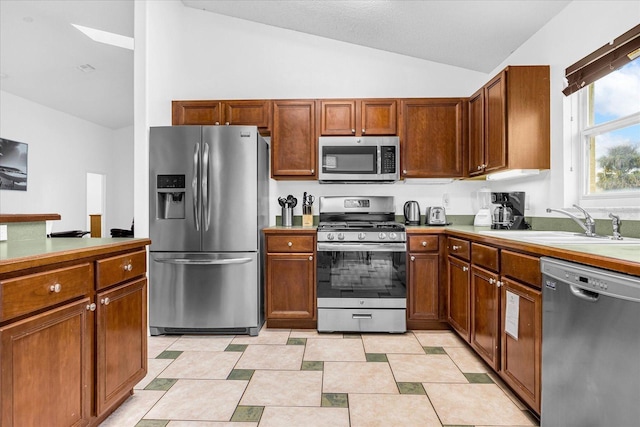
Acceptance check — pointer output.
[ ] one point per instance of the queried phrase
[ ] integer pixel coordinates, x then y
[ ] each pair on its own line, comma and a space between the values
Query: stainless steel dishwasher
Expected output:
590, 346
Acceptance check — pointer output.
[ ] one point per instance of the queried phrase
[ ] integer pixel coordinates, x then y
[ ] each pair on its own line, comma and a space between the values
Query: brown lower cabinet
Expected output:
70, 354
290, 279
423, 281
485, 315
459, 296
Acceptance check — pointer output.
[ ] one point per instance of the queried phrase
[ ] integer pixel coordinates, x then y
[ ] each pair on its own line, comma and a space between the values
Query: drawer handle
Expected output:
424, 243
105, 301
91, 307
55, 288
413, 258
310, 257
455, 248
362, 316
289, 244
128, 267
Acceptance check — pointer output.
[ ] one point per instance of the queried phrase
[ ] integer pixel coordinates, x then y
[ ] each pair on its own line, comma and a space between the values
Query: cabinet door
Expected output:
46, 368
121, 341
521, 356
495, 122
485, 311
432, 138
293, 140
379, 117
338, 117
458, 298
422, 298
476, 133
196, 113
291, 286
247, 112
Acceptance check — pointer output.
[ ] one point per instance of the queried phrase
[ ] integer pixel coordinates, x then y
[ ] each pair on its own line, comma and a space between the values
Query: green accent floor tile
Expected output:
169, 354
241, 374
359, 336
162, 384
434, 350
297, 341
312, 366
478, 378
376, 357
411, 388
236, 347
152, 423
335, 400
247, 414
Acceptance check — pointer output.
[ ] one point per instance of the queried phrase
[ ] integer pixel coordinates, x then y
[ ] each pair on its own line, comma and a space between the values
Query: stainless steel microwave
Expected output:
359, 159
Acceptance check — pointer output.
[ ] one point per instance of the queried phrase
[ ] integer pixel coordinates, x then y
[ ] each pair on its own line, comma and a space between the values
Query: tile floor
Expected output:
301, 378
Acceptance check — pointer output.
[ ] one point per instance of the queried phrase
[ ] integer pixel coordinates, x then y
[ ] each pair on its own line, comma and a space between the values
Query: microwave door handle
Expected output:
379, 158
206, 202
194, 185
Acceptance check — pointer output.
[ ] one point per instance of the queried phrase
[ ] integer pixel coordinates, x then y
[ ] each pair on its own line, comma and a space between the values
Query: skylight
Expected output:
107, 37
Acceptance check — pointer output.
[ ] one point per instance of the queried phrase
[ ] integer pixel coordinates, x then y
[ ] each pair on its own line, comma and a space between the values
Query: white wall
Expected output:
62, 149
193, 54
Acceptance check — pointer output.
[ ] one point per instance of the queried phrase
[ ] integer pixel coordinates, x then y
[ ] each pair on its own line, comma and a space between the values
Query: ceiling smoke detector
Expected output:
86, 68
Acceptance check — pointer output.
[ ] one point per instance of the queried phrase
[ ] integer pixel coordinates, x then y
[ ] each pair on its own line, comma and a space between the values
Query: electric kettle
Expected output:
412, 213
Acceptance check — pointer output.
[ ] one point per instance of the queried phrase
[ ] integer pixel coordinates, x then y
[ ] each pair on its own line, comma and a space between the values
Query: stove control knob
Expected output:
382, 236
361, 236
393, 236
330, 236
340, 236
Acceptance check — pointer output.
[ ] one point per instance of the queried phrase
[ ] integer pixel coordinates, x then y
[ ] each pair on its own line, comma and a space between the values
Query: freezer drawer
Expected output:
362, 320
204, 293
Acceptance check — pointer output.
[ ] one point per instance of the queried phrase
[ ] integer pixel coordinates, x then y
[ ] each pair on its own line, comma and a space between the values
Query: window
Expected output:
609, 134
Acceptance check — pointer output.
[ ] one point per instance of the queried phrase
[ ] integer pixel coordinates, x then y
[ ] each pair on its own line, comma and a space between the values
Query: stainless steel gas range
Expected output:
362, 262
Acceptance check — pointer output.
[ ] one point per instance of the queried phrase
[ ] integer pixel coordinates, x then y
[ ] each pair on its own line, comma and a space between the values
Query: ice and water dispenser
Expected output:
170, 191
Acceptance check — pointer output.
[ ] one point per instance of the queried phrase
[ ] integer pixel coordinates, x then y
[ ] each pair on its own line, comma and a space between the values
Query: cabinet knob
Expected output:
128, 267
455, 248
424, 243
413, 258
404, 171
353, 131
498, 283
364, 131
226, 123
55, 288
492, 281
479, 167
289, 244
465, 268
105, 301
310, 257
313, 171
217, 123
91, 307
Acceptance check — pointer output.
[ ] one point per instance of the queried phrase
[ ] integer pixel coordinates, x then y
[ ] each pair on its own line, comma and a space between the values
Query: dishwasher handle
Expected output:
584, 294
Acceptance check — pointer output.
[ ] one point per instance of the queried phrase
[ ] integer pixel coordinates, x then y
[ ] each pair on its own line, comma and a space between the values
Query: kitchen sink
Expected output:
558, 237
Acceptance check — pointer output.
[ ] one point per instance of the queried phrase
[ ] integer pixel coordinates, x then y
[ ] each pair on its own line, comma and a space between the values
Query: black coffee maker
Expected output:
510, 214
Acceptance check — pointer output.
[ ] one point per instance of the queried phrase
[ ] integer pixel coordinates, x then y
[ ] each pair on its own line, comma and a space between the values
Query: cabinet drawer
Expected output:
485, 256
26, 294
290, 243
524, 268
120, 268
423, 243
458, 248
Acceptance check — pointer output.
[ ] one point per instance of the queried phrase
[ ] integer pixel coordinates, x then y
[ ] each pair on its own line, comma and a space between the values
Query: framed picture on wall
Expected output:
13, 165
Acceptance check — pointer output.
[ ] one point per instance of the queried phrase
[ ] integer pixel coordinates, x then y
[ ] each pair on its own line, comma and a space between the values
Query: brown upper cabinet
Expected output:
509, 121
358, 117
231, 112
293, 139
432, 137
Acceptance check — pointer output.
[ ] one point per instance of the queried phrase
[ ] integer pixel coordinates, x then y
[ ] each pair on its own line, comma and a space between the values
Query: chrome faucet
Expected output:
615, 223
589, 225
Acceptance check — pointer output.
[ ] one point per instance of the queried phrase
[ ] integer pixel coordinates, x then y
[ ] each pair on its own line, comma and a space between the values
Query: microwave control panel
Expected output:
388, 155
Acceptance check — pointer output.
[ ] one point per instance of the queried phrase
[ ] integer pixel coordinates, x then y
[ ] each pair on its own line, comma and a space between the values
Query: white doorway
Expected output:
96, 198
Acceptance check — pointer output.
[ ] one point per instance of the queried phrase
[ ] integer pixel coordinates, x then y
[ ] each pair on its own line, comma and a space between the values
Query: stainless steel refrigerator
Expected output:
208, 202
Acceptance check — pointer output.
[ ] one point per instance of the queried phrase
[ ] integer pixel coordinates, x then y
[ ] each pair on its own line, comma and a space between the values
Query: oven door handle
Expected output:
362, 247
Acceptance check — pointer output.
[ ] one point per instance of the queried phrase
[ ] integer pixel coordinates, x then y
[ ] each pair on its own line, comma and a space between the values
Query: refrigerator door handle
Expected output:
205, 186
184, 261
194, 185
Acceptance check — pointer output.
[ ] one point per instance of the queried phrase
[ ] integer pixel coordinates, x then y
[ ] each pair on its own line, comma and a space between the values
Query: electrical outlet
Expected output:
3, 233
445, 200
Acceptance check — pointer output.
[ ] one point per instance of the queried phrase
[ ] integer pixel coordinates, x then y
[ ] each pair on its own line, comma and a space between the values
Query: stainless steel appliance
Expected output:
361, 266
510, 214
411, 213
436, 215
359, 159
590, 346
208, 190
